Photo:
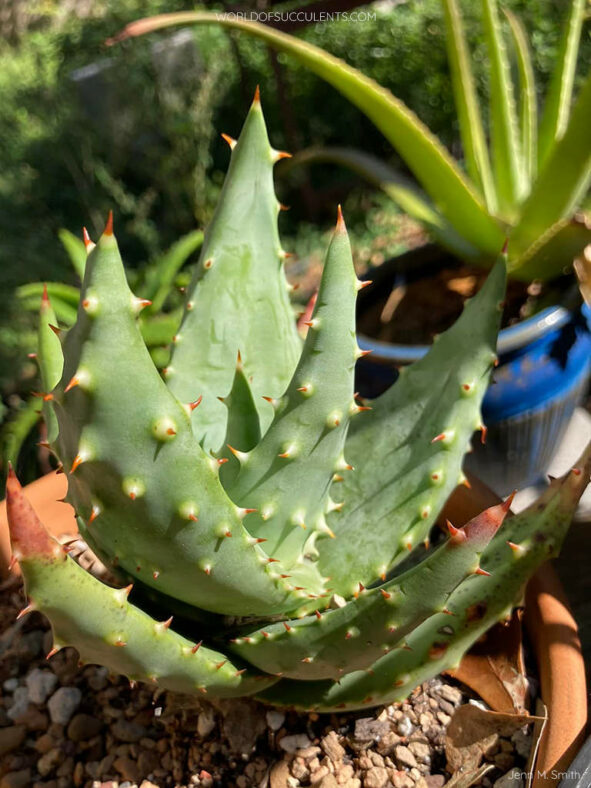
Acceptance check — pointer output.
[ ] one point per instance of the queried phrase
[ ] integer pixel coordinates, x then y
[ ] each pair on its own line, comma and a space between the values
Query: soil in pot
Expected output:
412, 308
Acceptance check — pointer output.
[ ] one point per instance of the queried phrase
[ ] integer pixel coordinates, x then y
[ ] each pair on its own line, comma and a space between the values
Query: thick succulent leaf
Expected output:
528, 106
51, 361
147, 492
15, 429
157, 329
160, 329
34, 290
561, 183
523, 544
466, 99
553, 252
104, 627
76, 250
506, 150
238, 299
64, 299
376, 622
402, 190
407, 451
159, 276
431, 164
287, 476
243, 431
558, 101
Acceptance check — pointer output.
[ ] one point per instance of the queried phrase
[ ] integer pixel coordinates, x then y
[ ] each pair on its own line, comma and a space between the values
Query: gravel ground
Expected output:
62, 726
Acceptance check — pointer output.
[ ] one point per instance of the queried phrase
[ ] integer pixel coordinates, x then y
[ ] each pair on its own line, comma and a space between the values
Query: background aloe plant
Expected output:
251, 496
527, 186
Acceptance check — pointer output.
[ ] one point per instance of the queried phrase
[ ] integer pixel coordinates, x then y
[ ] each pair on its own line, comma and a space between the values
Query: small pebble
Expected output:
405, 726
10, 684
294, 742
63, 703
48, 762
20, 703
128, 731
11, 738
450, 694
522, 740
421, 751
40, 685
275, 719
83, 727
99, 678
376, 777
205, 723
404, 756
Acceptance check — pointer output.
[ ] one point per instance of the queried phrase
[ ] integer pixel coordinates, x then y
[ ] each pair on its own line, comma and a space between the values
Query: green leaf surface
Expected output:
76, 250
148, 498
552, 254
407, 451
50, 359
561, 183
507, 161
377, 621
478, 602
286, 477
238, 299
14, 431
528, 107
159, 276
558, 101
471, 127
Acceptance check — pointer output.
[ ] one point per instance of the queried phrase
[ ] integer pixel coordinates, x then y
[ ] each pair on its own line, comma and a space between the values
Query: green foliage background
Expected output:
145, 141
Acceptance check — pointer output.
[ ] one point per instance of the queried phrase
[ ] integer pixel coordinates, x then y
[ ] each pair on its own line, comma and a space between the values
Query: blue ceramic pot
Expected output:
543, 373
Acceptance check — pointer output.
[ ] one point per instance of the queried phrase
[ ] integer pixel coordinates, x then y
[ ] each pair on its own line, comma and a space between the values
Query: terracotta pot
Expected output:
551, 626
45, 495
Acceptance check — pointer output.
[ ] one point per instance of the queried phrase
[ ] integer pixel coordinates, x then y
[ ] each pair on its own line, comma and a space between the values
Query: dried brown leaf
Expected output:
495, 670
473, 732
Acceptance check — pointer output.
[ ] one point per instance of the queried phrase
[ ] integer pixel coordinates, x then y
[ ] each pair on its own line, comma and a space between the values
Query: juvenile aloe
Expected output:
530, 183
249, 501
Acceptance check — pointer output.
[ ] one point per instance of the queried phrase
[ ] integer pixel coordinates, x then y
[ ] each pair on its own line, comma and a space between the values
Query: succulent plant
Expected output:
530, 183
248, 494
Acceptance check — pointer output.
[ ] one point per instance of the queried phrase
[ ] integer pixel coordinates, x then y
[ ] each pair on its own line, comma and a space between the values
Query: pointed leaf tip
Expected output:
506, 506
109, 225
341, 227
257, 95
86, 238
484, 526
45, 296
505, 246
28, 535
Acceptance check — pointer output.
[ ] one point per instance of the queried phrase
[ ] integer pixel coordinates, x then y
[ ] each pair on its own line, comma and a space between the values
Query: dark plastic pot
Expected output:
543, 372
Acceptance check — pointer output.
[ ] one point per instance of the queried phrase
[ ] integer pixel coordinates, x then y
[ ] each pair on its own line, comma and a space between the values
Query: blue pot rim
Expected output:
510, 338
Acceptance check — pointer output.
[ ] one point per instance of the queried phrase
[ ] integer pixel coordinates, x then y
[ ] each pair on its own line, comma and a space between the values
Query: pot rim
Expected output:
511, 338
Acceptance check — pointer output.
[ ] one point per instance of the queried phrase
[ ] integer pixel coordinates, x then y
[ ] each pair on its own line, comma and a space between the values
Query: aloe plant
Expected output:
527, 186
249, 495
